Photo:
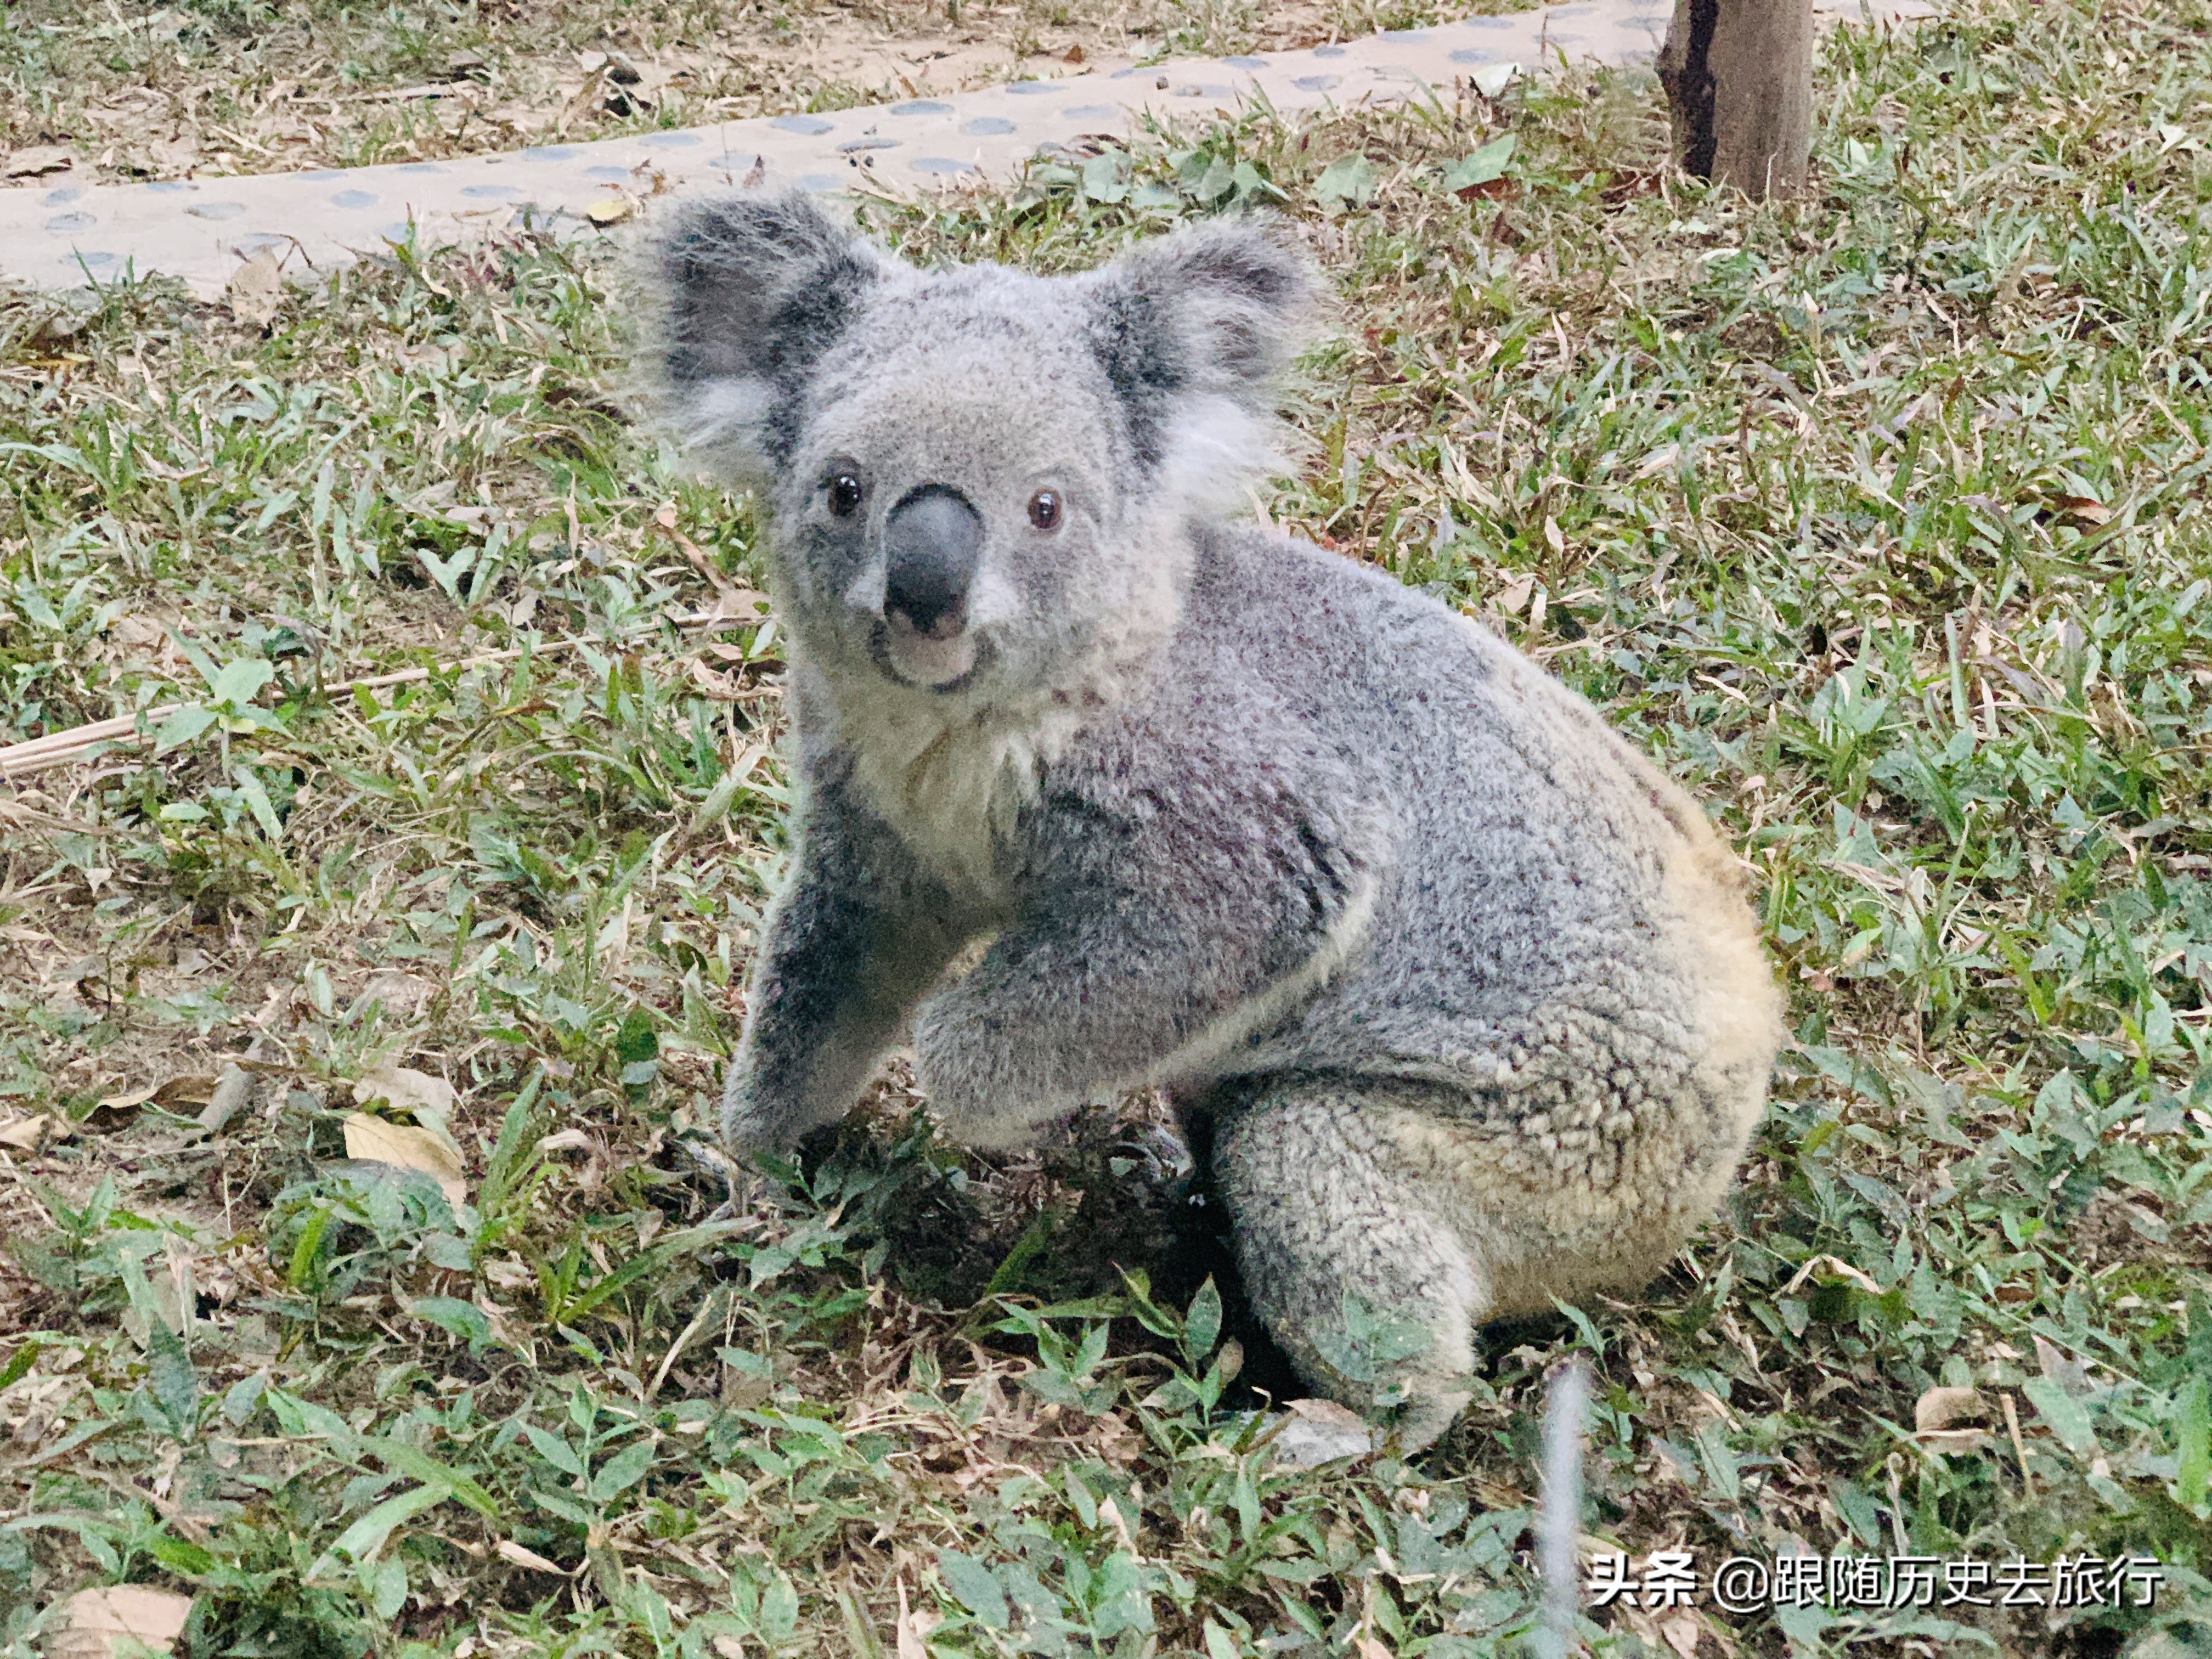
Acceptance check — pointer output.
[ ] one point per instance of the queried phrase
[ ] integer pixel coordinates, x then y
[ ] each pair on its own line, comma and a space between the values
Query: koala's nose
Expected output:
932, 543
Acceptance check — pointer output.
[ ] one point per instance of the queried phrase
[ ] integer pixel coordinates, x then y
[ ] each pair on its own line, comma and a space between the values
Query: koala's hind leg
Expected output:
1358, 1274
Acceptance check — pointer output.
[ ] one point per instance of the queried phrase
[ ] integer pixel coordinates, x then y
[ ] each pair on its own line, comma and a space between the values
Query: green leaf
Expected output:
971, 1583
778, 1611
2065, 1416
362, 1541
403, 1459
554, 1450
386, 1583
622, 1471
637, 1041
257, 798
239, 681
459, 1318
1349, 180
1202, 1325
169, 1377
19, 1363
2190, 1481
1484, 166
183, 725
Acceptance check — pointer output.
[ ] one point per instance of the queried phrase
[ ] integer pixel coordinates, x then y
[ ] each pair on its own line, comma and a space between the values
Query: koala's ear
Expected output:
753, 291
1195, 330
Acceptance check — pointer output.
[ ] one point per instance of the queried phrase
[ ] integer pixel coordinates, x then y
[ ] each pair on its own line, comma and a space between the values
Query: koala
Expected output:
1462, 997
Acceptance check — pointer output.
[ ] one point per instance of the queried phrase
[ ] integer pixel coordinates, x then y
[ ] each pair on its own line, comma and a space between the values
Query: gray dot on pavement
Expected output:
491, 193
1246, 63
1328, 51
549, 152
669, 140
921, 107
1405, 34
607, 175
940, 164
988, 127
422, 167
1092, 113
1473, 55
1030, 88
818, 182
63, 223
1318, 83
812, 126
353, 199
217, 209
62, 198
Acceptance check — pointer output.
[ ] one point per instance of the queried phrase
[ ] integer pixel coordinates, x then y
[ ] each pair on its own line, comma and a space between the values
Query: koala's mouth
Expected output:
940, 666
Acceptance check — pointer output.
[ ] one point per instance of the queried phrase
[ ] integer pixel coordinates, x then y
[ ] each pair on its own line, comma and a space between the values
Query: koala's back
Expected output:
1556, 933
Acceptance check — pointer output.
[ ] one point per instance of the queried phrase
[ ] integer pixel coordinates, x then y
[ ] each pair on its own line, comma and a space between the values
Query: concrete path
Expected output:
63, 235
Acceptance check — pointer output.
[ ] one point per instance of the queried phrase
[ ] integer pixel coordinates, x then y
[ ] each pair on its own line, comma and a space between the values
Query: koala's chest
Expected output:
954, 795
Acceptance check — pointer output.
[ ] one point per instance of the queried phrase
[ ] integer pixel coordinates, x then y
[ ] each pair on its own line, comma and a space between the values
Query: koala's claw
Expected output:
740, 1187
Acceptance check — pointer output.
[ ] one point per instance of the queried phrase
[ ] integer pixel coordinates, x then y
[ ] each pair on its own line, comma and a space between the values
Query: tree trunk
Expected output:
1739, 79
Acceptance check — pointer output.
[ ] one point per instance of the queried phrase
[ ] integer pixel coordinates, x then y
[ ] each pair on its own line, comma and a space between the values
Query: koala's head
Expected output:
973, 474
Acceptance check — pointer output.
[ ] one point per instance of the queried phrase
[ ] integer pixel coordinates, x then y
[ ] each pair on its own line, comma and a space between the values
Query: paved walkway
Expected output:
63, 235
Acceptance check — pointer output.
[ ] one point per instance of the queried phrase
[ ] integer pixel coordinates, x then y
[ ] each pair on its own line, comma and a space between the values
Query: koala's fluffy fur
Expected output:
1465, 992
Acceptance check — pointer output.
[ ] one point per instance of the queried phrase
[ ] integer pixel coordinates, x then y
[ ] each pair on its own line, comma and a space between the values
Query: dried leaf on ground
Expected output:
27, 1134
508, 1550
95, 1623
36, 160
373, 1141
1939, 1408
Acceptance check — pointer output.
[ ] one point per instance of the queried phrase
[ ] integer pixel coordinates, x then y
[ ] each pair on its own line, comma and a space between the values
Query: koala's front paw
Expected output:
977, 1105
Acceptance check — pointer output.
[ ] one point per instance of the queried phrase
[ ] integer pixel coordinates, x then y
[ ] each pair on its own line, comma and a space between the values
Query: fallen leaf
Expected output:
566, 1140
2088, 508
1681, 1628
507, 1550
1939, 1408
1075, 55
193, 1089
428, 1100
2067, 1372
27, 1134
36, 160
609, 211
257, 290
96, 1623
914, 1625
1318, 1431
373, 1141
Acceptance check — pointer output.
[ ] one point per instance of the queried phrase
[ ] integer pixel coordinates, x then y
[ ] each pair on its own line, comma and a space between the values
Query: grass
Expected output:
1879, 519
218, 87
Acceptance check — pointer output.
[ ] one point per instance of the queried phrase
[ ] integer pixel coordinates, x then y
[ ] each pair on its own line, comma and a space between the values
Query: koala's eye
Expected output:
1044, 509
843, 485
